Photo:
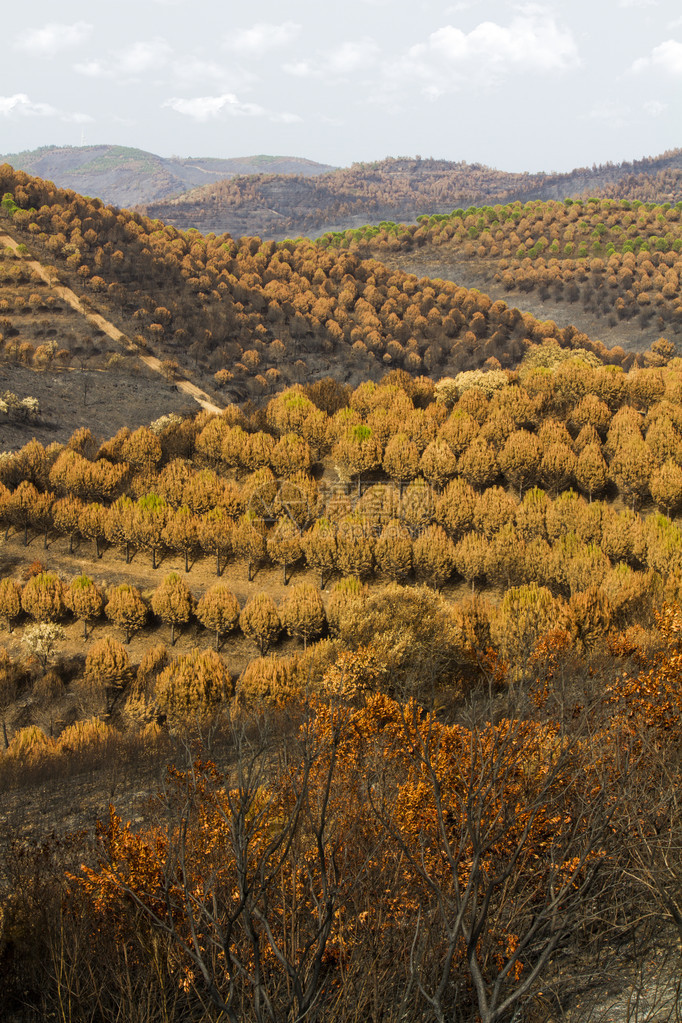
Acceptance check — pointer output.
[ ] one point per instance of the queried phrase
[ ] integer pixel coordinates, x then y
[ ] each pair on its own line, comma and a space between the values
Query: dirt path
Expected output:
106, 326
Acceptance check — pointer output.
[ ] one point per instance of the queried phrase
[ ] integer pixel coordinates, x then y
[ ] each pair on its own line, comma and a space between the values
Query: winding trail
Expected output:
50, 277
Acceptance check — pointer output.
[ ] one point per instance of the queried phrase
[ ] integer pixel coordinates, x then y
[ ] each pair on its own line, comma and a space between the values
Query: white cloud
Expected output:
91, 69
262, 37
134, 60
208, 108
144, 56
299, 68
666, 57
528, 43
532, 43
352, 55
51, 38
20, 105
613, 114
654, 107
639, 3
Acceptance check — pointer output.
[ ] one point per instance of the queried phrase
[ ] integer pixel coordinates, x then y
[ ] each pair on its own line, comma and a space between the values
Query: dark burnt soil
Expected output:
104, 400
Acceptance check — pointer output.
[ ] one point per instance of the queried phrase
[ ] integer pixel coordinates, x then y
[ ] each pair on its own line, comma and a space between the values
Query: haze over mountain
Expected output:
124, 176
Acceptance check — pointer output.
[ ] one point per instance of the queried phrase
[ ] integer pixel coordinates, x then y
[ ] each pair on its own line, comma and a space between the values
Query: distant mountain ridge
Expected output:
124, 176
399, 190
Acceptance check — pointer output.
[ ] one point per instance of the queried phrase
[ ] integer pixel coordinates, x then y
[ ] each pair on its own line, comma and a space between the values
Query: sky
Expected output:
517, 86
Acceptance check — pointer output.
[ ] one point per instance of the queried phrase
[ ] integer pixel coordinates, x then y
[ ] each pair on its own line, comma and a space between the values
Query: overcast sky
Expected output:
517, 86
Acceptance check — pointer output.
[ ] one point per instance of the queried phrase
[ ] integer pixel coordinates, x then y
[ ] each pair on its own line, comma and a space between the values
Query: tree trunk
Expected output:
97, 551
25, 534
45, 540
85, 628
250, 567
217, 640
127, 552
172, 625
217, 563
70, 543
285, 572
153, 557
186, 561
4, 733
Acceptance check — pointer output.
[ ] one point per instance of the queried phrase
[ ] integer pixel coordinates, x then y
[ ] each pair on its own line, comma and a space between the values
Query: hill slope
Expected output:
275, 206
127, 177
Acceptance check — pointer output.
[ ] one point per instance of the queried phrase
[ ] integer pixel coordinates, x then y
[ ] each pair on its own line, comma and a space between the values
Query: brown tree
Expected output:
215, 529
173, 603
106, 670
43, 597
191, 689
320, 548
284, 544
126, 608
92, 524
248, 540
260, 621
181, 533
66, 512
520, 460
302, 612
478, 464
393, 550
84, 600
10, 601
218, 609
434, 556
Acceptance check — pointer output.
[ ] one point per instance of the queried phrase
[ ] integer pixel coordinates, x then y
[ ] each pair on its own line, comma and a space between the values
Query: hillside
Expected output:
275, 206
128, 177
354, 693
243, 319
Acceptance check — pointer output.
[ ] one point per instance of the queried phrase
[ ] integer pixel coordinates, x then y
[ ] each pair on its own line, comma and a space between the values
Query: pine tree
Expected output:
173, 603
320, 549
478, 464
591, 471
218, 609
181, 533
260, 621
192, 688
434, 556
437, 463
84, 600
120, 524
520, 460
248, 540
302, 612
401, 459
126, 608
215, 530
43, 597
470, 557
149, 521
284, 544
66, 512
454, 509
666, 487
354, 546
92, 524
10, 601
393, 550
106, 670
